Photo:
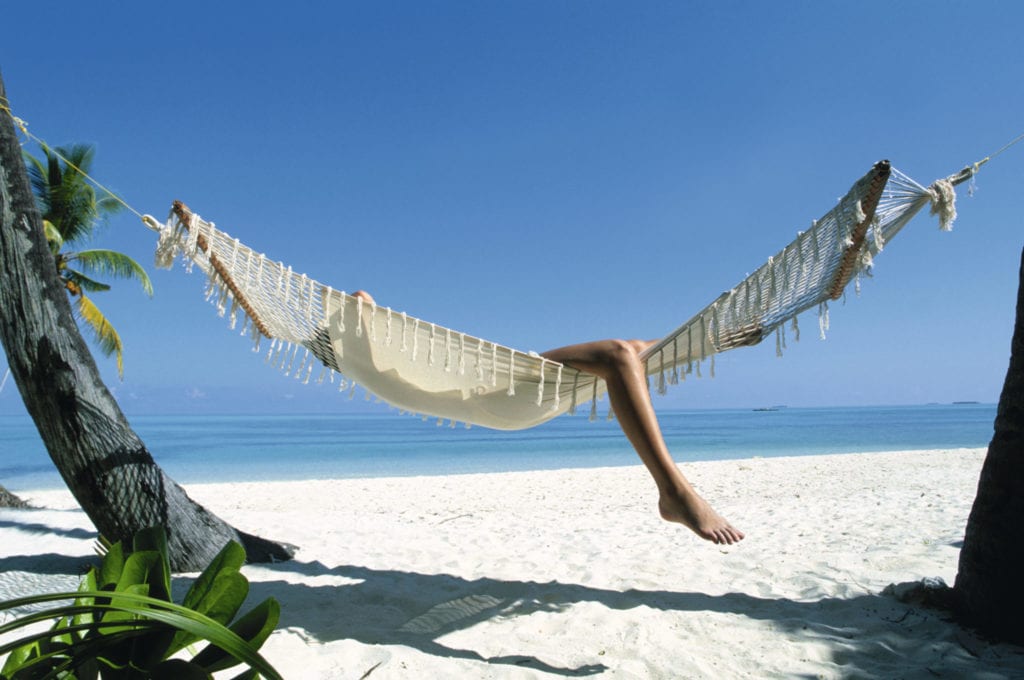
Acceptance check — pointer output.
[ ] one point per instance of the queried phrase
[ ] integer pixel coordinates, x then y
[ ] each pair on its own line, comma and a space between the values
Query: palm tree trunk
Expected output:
104, 463
989, 588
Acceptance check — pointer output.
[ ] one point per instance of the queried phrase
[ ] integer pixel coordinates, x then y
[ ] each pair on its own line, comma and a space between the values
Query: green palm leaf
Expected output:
71, 209
106, 337
53, 237
83, 281
112, 263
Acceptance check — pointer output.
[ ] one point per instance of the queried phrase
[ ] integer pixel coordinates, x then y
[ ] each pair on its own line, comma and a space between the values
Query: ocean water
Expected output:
245, 448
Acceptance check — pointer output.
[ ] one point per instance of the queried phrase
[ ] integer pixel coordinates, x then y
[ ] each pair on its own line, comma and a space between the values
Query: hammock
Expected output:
428, 370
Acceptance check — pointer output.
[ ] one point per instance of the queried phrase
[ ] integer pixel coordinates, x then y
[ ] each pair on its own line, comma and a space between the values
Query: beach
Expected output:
571, 572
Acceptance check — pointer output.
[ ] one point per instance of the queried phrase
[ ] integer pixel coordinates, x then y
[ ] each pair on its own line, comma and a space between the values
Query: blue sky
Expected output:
541, 173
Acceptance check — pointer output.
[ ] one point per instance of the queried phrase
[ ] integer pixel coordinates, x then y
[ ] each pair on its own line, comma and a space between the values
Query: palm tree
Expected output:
71, 210
103, 461
988, 592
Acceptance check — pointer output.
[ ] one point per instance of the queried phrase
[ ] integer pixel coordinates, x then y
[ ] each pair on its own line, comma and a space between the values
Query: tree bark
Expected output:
104, 463
989, 587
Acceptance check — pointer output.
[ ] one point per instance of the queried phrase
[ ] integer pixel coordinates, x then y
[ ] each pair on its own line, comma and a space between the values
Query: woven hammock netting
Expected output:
314, 332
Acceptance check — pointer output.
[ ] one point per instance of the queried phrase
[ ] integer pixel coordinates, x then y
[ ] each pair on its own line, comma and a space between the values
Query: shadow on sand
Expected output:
372, 609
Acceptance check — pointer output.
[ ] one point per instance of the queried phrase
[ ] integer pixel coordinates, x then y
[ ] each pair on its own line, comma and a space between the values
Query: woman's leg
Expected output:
618, 363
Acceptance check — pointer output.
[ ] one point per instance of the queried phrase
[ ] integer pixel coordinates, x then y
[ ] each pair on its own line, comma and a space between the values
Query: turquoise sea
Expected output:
227, 448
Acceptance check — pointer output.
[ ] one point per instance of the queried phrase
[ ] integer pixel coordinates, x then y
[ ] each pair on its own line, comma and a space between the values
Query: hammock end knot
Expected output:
943, 201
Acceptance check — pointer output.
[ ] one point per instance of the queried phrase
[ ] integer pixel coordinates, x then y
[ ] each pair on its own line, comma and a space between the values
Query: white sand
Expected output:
541, 574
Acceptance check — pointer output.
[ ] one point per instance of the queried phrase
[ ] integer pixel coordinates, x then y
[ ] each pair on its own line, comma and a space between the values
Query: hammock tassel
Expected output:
877, 238
479, 368
575, 394
448, 351
511, 373
359, 317
430, 346
674, 378
558, 389
822, 319
593, 403
858, 213
662, 386
540, 384
294, 349
462, 354
943, 203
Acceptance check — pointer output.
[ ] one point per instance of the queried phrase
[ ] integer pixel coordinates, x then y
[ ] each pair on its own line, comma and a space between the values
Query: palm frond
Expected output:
63, 193
40, 182
83, 281
106, 337
113, 263
53, 237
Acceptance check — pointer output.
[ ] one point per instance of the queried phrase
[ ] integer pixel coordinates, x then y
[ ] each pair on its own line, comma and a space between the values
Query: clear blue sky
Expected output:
540, 173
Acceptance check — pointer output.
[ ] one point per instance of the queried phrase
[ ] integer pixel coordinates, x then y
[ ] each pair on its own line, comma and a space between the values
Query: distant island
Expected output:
960, 403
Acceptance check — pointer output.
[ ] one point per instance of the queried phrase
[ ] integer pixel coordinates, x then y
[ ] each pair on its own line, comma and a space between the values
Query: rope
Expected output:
940, 192
969, 171
23, 126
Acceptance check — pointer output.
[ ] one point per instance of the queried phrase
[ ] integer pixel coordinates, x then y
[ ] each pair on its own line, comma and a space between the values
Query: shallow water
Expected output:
226, 448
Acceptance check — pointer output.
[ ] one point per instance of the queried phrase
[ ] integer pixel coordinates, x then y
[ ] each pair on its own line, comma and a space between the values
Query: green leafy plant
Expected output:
121, 624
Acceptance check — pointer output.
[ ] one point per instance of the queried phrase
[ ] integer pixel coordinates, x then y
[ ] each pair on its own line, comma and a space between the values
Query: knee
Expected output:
622, 352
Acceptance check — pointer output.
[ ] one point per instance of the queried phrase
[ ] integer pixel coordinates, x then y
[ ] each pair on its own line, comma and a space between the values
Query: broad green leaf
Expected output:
222, 601
230, 558
254, 627
17, 658
154, 539
111, 566
144, 567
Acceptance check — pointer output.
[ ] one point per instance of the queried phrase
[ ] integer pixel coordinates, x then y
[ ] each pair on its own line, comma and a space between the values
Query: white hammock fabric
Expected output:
316, 332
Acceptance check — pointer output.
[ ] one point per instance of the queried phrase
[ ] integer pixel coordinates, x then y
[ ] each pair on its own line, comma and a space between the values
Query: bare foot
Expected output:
693, 512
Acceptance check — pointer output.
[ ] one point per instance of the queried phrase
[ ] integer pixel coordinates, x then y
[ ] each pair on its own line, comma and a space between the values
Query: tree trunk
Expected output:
989, 588
104, 463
